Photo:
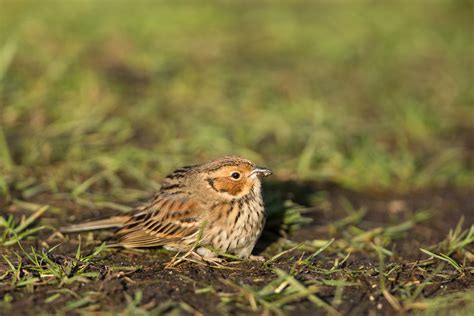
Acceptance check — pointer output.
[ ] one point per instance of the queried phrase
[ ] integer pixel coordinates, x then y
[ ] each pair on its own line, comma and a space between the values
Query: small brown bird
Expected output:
217, 205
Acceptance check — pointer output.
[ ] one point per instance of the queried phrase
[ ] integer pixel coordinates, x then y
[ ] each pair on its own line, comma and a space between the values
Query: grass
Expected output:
105, 104
100, 100
40, 268
332, 265
283, 290
402, 296
13, 233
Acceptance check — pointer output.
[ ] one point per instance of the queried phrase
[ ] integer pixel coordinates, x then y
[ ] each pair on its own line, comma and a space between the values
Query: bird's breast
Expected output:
240, 225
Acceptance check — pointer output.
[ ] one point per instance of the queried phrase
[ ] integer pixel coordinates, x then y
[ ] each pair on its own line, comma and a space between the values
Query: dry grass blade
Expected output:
13, 233
392, 300
282, 253
177, 259
30, 219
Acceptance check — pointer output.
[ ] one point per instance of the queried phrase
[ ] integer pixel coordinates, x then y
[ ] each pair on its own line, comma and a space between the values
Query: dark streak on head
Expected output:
211, 184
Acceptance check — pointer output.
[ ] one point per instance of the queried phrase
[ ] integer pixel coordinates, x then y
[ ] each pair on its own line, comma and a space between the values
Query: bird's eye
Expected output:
235, 175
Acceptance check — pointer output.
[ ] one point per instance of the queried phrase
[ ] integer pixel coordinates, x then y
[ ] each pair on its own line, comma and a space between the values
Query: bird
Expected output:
217, 206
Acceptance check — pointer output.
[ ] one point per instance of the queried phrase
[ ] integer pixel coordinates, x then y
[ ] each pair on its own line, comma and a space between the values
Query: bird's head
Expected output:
233, 177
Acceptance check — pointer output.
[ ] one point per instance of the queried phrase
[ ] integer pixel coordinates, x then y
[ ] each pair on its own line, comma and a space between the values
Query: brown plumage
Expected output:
217, 204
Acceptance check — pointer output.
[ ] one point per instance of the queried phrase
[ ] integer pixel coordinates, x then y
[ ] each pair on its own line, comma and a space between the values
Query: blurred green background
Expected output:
106, 96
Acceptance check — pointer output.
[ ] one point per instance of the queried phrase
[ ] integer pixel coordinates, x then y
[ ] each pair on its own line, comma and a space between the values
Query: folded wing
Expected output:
168, 219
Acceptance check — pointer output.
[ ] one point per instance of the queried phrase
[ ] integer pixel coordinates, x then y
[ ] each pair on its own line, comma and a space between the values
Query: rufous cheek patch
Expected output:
229, 186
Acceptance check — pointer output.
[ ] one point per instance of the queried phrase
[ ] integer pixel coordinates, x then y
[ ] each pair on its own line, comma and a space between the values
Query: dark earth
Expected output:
201, 286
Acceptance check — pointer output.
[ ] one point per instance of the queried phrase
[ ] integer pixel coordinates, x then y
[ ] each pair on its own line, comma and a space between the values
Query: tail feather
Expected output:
112, 222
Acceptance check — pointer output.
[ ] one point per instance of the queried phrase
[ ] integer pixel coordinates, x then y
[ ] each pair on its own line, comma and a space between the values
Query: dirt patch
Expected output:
140, 279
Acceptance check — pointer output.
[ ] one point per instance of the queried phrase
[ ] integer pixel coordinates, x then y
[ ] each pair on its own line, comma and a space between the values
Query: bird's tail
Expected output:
112, 222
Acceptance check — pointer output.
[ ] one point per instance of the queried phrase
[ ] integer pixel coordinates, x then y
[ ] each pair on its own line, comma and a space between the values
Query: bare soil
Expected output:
185, 282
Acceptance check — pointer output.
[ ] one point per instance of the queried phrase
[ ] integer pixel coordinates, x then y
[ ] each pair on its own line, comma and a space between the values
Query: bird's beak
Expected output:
259, 171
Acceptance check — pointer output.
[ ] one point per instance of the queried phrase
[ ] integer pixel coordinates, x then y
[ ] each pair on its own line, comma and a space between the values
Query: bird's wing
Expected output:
168, 218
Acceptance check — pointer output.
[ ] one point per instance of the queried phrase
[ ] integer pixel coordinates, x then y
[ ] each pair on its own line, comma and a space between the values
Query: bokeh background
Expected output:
109, 96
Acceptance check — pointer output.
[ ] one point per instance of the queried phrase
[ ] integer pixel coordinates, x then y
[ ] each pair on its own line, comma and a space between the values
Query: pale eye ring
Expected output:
235, 175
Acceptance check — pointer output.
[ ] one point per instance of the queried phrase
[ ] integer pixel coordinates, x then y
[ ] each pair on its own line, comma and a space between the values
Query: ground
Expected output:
362, 110
345, 275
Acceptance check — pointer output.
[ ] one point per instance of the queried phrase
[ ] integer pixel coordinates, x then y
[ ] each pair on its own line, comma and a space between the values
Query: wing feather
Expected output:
169, 218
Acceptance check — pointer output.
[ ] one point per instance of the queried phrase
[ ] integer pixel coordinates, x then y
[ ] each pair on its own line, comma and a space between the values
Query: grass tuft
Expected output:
13, 233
